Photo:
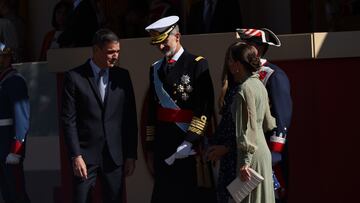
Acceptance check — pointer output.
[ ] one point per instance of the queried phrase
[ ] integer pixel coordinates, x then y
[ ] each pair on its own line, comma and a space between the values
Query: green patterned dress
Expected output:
251, 114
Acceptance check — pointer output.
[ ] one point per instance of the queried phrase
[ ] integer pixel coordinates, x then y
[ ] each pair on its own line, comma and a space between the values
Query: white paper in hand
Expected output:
239, 189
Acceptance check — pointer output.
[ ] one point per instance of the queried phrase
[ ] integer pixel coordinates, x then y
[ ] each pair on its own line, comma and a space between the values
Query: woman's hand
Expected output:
215, 152
245, 173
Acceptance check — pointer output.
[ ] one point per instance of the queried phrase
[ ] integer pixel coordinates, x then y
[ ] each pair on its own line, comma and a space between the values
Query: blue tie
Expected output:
101, 84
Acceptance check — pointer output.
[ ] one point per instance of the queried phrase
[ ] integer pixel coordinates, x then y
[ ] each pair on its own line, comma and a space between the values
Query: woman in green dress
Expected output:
251, 116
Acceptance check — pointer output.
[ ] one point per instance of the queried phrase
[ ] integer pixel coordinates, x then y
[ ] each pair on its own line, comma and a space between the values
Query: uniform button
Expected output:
175, 101
174, 84
174, 92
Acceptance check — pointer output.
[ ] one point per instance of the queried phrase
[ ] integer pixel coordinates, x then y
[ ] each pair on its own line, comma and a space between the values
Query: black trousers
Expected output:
111, 178
12, 183
176, 183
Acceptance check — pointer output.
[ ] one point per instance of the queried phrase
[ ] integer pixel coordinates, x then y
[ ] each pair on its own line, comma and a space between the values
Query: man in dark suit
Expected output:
213, 16
99, 118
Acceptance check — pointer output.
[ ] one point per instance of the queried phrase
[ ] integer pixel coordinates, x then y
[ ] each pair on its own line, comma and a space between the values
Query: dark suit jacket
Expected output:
90, 124
226, 17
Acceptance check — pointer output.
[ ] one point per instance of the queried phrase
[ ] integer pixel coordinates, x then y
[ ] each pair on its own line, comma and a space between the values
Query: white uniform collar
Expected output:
178, 54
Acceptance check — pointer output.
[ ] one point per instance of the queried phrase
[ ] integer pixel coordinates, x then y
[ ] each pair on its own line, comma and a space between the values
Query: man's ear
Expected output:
178, 35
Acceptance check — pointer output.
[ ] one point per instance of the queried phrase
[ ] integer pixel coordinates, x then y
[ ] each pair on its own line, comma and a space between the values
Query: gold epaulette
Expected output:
199, 58
198, 125
150, 132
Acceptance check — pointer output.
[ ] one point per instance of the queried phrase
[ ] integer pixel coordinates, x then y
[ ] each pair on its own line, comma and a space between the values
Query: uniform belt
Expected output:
174, 115
6, 122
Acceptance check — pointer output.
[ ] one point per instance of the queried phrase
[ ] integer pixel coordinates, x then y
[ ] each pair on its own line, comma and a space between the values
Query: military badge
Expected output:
185, 79
180, 88
184, 96
189, 89
184, 87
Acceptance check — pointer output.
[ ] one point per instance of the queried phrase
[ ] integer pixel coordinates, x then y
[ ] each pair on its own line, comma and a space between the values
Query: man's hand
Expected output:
13, 158
215, 152
129, 167
275, 158
79, 167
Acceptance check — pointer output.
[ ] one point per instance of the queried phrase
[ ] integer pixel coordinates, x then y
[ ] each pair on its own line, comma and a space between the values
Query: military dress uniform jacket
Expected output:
14, 127
278, 87
189, 85
14, 113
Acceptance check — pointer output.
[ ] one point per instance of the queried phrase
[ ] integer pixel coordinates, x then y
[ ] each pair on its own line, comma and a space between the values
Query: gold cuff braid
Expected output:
198, 125
150, 130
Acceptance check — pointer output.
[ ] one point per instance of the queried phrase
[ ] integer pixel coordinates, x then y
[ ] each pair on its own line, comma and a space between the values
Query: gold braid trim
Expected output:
199, 58
149, 138
157, 37
150, 132
198, 125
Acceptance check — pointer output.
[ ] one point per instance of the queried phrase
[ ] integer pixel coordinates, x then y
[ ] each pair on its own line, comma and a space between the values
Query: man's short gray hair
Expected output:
175, 30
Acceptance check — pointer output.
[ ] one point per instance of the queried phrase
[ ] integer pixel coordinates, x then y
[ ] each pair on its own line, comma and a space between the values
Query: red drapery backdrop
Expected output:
323, 137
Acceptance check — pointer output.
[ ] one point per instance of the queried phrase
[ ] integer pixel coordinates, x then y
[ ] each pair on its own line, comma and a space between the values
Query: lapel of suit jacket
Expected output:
91, 78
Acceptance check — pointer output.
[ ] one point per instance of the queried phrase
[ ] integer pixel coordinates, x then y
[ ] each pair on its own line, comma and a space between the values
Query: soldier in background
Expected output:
14, 126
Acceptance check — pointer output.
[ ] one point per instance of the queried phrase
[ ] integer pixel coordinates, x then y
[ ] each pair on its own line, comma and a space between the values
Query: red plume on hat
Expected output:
260, 36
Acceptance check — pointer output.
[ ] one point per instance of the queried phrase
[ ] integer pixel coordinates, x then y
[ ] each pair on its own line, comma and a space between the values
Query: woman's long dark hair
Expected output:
226, 75
247, 55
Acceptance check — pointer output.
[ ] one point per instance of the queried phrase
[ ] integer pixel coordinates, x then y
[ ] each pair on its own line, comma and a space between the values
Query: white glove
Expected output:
13, 158
171, 159
184, 150
275, 157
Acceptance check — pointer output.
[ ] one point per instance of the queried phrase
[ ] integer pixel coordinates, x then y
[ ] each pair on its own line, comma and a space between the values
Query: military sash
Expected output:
165, 100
